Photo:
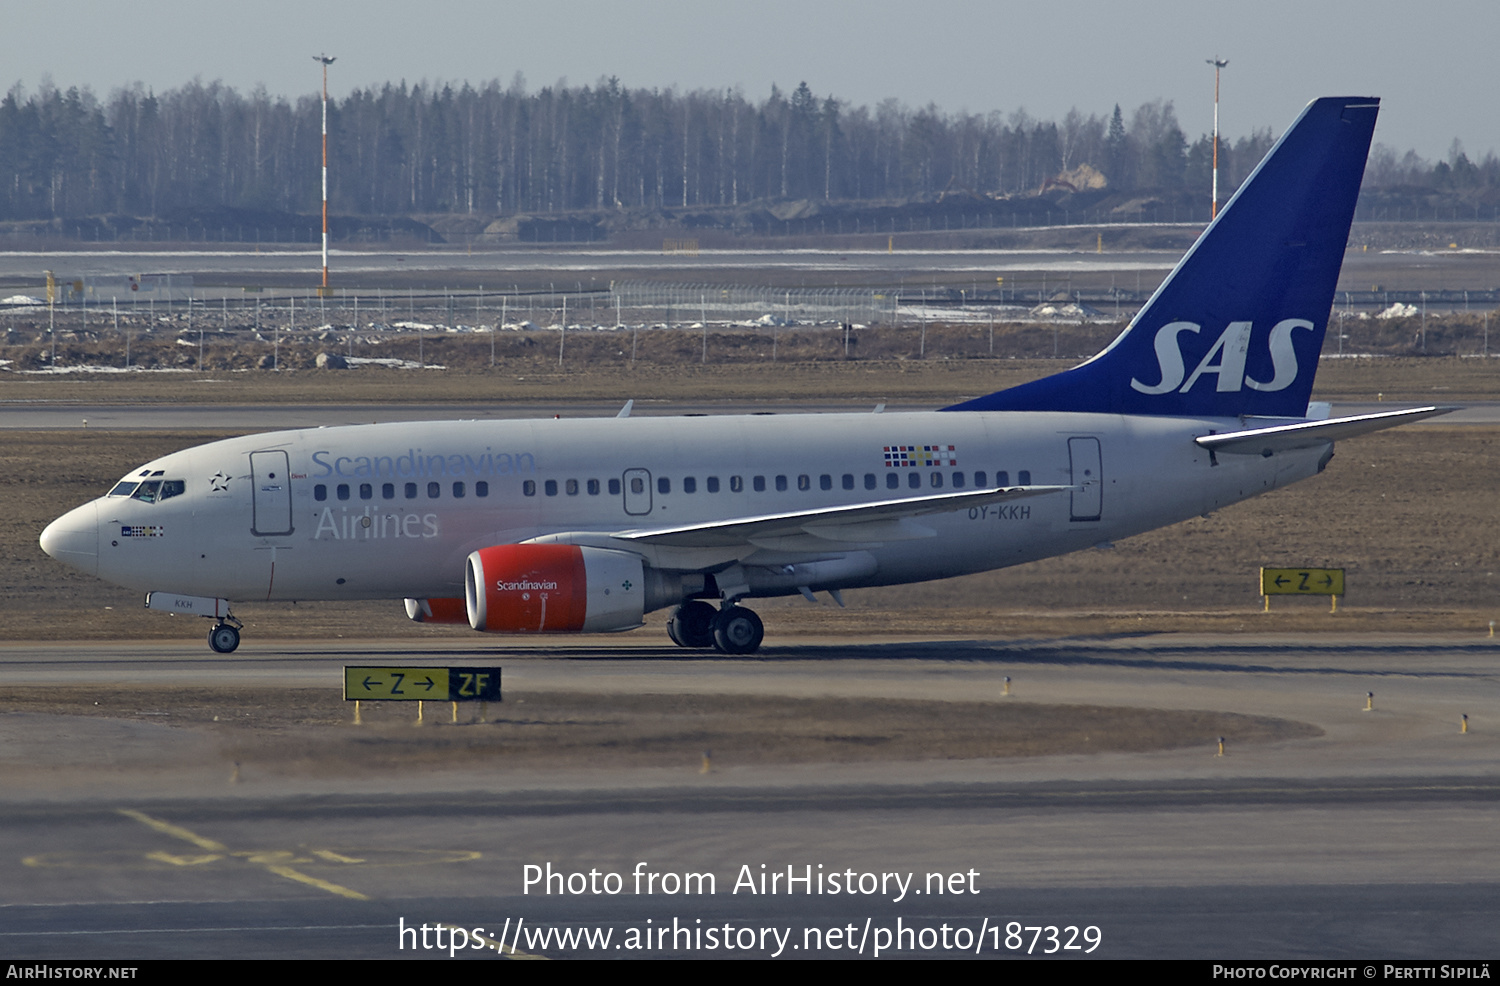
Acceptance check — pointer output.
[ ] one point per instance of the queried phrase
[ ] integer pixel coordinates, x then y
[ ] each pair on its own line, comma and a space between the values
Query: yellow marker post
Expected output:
1464, 726
708, 762
1369, 701
1007, 684
1221, 747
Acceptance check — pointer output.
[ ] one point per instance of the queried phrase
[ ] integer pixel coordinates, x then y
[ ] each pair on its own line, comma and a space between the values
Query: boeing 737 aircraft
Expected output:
562, 526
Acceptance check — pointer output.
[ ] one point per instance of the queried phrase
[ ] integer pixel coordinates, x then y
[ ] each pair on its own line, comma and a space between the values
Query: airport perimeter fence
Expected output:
737, 304
365, 324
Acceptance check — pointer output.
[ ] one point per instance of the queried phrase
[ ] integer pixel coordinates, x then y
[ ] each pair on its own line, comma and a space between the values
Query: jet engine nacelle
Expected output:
553, 588
454, 611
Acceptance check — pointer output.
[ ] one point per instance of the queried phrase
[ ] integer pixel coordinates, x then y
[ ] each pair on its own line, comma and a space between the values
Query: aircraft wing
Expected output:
1307, 434
885, 520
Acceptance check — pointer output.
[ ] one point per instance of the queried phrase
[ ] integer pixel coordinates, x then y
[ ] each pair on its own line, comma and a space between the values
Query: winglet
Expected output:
1237, 327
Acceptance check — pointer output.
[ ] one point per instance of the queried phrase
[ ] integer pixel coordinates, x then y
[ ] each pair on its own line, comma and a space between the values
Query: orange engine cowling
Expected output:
553, 588
454, 611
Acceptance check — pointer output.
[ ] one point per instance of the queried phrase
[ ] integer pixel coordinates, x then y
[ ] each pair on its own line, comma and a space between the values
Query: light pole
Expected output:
326, 61
1218, 63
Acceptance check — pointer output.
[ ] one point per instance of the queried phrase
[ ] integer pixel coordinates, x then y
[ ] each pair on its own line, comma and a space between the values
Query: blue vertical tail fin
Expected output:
1237, 327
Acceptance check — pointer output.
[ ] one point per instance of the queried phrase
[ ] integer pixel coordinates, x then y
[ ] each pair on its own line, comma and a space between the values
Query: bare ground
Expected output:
309, 733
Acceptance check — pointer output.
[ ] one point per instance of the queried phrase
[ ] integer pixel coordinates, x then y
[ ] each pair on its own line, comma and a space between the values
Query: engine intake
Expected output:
553, 588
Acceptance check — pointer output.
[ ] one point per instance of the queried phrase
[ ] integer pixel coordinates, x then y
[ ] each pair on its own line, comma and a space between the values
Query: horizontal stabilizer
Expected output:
1309, 434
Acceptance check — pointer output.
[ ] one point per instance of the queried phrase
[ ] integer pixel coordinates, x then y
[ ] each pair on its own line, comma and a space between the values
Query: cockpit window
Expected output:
151, 491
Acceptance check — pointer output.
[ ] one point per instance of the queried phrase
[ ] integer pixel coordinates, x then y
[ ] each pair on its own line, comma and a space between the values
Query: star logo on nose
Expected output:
218, 482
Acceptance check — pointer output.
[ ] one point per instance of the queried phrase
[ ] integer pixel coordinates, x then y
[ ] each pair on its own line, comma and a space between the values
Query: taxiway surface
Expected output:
126, 838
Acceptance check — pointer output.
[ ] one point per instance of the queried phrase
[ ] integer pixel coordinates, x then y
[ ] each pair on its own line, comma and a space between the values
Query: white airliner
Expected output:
557, 526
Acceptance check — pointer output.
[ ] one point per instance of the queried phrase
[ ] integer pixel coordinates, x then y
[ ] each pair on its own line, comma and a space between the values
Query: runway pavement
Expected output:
127, 839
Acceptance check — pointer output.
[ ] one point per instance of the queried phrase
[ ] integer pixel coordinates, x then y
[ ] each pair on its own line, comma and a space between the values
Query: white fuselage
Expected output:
393, 510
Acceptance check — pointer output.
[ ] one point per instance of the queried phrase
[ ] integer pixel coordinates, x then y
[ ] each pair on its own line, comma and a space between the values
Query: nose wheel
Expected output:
224, 637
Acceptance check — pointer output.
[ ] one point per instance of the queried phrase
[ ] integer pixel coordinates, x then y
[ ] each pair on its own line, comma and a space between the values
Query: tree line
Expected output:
429, 149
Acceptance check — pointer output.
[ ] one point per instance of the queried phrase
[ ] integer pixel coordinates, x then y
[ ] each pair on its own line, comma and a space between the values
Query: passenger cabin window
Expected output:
366, 491
848, 480
388, 491
914, 480
780, 484
614, 487
528, 488
663, 485
689, 484
550, 486
804, 482
571, 487
958, 480
458, 491
481, 488
410, 491
979, 478
869, 480
736, 484
593, 487
1024, 477
711, 484
760, 484
434, 490
343, 491
892, 480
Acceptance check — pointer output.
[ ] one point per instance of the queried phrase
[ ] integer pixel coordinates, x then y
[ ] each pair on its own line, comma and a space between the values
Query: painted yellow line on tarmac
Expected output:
334, 857
261, 859
506, 951
175, 831
312, 881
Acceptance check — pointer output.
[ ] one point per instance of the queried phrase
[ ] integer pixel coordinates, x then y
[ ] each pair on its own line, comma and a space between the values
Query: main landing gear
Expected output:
730, 630
225, 636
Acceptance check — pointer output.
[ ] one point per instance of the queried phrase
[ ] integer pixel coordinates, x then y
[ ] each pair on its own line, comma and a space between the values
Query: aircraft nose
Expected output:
73, 538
